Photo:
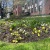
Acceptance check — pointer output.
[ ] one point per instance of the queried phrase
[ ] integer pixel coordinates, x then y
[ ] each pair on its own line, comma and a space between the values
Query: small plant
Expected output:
13, 25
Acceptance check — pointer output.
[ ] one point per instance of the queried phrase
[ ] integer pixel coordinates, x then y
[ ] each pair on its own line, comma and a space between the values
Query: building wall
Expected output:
34, 8
47, 7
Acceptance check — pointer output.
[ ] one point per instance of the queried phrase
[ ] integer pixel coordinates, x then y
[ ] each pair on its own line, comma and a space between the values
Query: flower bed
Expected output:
23, 31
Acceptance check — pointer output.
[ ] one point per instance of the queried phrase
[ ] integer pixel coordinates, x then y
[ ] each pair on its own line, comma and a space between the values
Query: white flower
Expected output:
21, 30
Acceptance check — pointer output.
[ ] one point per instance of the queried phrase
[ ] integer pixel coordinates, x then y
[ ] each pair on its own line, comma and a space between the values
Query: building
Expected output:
46, 7
35, 7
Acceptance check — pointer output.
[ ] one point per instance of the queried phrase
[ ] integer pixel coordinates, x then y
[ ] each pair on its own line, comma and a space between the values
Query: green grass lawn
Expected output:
40, 45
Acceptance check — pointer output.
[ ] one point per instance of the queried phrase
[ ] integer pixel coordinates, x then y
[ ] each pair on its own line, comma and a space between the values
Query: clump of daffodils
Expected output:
14, 41
15, 33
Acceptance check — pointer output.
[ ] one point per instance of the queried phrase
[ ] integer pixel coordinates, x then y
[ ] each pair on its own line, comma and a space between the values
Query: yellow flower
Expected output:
38, 34
10, 29
36, 31
16, 41
43, 27
39, 31
13, 41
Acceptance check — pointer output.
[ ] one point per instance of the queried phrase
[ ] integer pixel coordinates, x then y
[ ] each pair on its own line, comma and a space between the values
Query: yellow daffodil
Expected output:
36, 31
43, 27
10, 29
13, 41
39, 31
38, 34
